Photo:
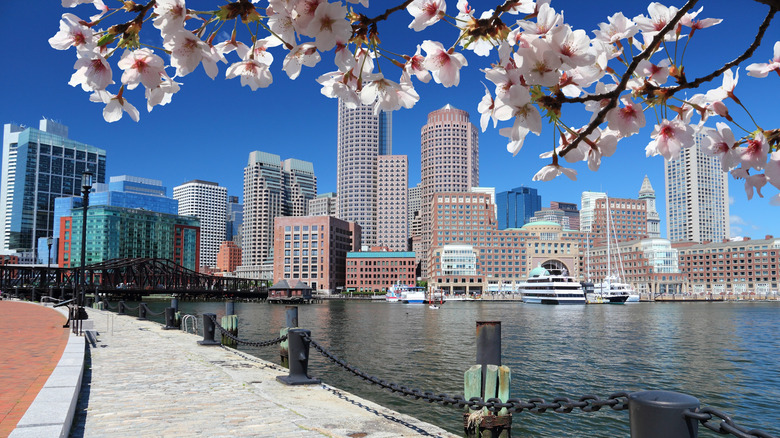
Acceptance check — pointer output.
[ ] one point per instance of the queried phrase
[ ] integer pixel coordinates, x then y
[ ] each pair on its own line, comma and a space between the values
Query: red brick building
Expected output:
228, 257
376, 271
628, 217
313, 249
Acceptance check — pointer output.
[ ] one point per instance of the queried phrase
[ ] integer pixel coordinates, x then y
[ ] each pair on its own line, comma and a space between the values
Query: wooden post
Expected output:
230, 323
487, 380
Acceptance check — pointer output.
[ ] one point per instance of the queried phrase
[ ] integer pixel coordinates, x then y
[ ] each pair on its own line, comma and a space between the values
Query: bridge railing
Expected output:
486, 401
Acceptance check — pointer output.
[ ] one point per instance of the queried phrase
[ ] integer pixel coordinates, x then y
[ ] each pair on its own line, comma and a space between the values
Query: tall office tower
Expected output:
647, 194
40, 165
697, 193
235, 219
266, 196
300, 186
208, 202
362, 137
588, 203
392, 187
449, 154
516, 207
623, 219
325, 204
569, 210
413, 205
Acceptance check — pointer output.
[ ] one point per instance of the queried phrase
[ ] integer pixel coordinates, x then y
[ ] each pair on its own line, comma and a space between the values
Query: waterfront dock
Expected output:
140, 380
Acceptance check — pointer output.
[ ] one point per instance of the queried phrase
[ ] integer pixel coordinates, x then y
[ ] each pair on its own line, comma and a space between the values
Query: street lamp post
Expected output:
49, 241
86, 185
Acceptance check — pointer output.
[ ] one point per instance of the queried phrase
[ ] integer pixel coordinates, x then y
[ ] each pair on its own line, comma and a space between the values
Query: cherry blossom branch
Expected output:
614, 95
747, 54
365, 21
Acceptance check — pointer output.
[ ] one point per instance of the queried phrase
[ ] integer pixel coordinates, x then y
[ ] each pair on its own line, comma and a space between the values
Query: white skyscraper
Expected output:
393, 179
208, 202
697, 194
588, 207
362, 137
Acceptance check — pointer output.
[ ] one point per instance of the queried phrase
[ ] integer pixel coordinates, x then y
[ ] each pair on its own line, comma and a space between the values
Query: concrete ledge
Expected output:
51, 414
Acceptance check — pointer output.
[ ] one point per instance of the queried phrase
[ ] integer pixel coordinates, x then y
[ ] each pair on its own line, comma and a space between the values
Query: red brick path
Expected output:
31, 343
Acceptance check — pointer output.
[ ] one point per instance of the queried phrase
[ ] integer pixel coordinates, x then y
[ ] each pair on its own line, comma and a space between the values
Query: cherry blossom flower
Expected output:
755, 153
546, 20
539, 64
660, 16
444, 66
343, 58
726, 89
689, 20
300, 55
187, 51
170, 15
228, 46
260, 51
618, 28
141, 66
492, 109
342, 85
759, 70
479, 43
425, 13
281, 24
162, 94
551, 171
387, 95
751, 181
772, 169
303, 14
522, 7
415, 66
92, 73
253, 73
669, 138
329, 26
503, 78
363, 3
626, 120
73, 34
572, 46
115, 105
657, 74
720, 143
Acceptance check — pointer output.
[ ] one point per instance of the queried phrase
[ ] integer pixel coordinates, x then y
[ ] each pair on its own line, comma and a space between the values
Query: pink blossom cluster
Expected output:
542, 66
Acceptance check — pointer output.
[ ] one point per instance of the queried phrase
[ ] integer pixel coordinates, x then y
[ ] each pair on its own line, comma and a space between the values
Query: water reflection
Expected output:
725, 354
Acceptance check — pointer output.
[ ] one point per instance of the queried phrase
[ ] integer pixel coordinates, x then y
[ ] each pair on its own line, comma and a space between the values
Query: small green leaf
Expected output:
106, 39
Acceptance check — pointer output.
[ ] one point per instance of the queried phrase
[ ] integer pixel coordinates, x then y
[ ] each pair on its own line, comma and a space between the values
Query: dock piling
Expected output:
299, 359
660, 413
487, 380
170, 319
141, 311
208, 330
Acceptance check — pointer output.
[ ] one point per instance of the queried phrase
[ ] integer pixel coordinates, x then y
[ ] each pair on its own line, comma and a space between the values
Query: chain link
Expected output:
226, 333
149, 311
132, 308
726, 425
109, 306
617, 401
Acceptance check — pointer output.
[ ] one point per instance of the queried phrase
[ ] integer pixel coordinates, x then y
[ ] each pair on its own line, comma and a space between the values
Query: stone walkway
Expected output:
141, 380
32, 343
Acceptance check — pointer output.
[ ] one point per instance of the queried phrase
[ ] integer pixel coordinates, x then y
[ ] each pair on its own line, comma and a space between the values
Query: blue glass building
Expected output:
517, 206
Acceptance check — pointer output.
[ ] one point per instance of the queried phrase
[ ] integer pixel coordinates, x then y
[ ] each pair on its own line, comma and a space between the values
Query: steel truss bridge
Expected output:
128, 279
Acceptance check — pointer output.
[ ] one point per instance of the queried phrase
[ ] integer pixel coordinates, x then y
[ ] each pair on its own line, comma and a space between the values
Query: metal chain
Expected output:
587, 403
132, 308
149, 311
109, 306
245, 342
726, 425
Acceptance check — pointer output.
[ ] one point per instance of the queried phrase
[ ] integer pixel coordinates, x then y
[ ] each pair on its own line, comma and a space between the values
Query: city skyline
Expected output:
211, 126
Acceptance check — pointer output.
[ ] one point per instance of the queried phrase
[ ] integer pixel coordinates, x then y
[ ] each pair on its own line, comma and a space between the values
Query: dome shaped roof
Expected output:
538, 271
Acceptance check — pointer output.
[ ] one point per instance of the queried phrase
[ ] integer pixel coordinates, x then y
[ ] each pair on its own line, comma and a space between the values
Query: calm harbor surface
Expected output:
725, 354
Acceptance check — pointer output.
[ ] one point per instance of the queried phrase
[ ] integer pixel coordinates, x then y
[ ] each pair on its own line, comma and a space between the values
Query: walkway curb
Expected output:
51, 414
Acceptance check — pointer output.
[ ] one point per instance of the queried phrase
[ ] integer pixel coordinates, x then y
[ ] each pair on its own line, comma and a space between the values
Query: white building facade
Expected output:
207, 201
392, 192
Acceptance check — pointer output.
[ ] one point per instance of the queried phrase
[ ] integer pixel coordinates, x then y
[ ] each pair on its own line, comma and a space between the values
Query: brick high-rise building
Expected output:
449, 154
228, 257
392, 195
627, 220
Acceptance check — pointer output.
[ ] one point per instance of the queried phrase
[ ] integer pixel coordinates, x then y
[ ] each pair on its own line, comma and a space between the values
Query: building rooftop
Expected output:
380, 254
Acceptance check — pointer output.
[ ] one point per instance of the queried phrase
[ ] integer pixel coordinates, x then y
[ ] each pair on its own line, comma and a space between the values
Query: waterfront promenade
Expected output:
32, 343
140, 380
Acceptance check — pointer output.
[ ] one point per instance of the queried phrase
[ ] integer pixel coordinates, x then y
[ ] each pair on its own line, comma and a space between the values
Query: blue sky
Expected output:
211, 126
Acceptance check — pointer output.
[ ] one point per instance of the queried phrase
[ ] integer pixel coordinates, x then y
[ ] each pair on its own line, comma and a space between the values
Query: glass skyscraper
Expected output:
517, 206
40, 165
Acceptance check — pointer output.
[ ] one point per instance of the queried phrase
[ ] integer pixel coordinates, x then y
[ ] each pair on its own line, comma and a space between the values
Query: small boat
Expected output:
412, 294
393, 295
433, 306
614, 292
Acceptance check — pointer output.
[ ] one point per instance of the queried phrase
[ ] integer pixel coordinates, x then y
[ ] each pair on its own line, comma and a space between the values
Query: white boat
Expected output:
611, 290
394, 294
412, 294
545, 287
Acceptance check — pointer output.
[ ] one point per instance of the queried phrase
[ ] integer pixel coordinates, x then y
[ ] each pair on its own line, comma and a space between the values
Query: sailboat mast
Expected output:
609, 270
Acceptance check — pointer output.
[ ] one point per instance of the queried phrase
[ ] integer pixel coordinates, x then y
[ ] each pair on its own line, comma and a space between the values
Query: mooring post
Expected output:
170, 319
299, 359
291, 320
661, 413
121, 308
141, 311
208, 330
487, 380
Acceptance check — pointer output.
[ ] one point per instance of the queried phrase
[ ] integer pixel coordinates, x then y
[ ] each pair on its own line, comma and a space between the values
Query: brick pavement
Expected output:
32, 343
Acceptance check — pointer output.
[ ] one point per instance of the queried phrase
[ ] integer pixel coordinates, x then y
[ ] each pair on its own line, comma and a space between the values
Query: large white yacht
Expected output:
551, 287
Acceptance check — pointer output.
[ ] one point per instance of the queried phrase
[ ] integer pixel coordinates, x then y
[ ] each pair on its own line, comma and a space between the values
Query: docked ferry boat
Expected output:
546, 287
612, 291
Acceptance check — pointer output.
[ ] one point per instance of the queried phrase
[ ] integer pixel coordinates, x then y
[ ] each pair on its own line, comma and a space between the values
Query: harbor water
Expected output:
726, 354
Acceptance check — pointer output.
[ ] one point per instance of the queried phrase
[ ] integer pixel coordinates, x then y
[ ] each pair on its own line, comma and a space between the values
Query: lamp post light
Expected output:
49, 241
86, 185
